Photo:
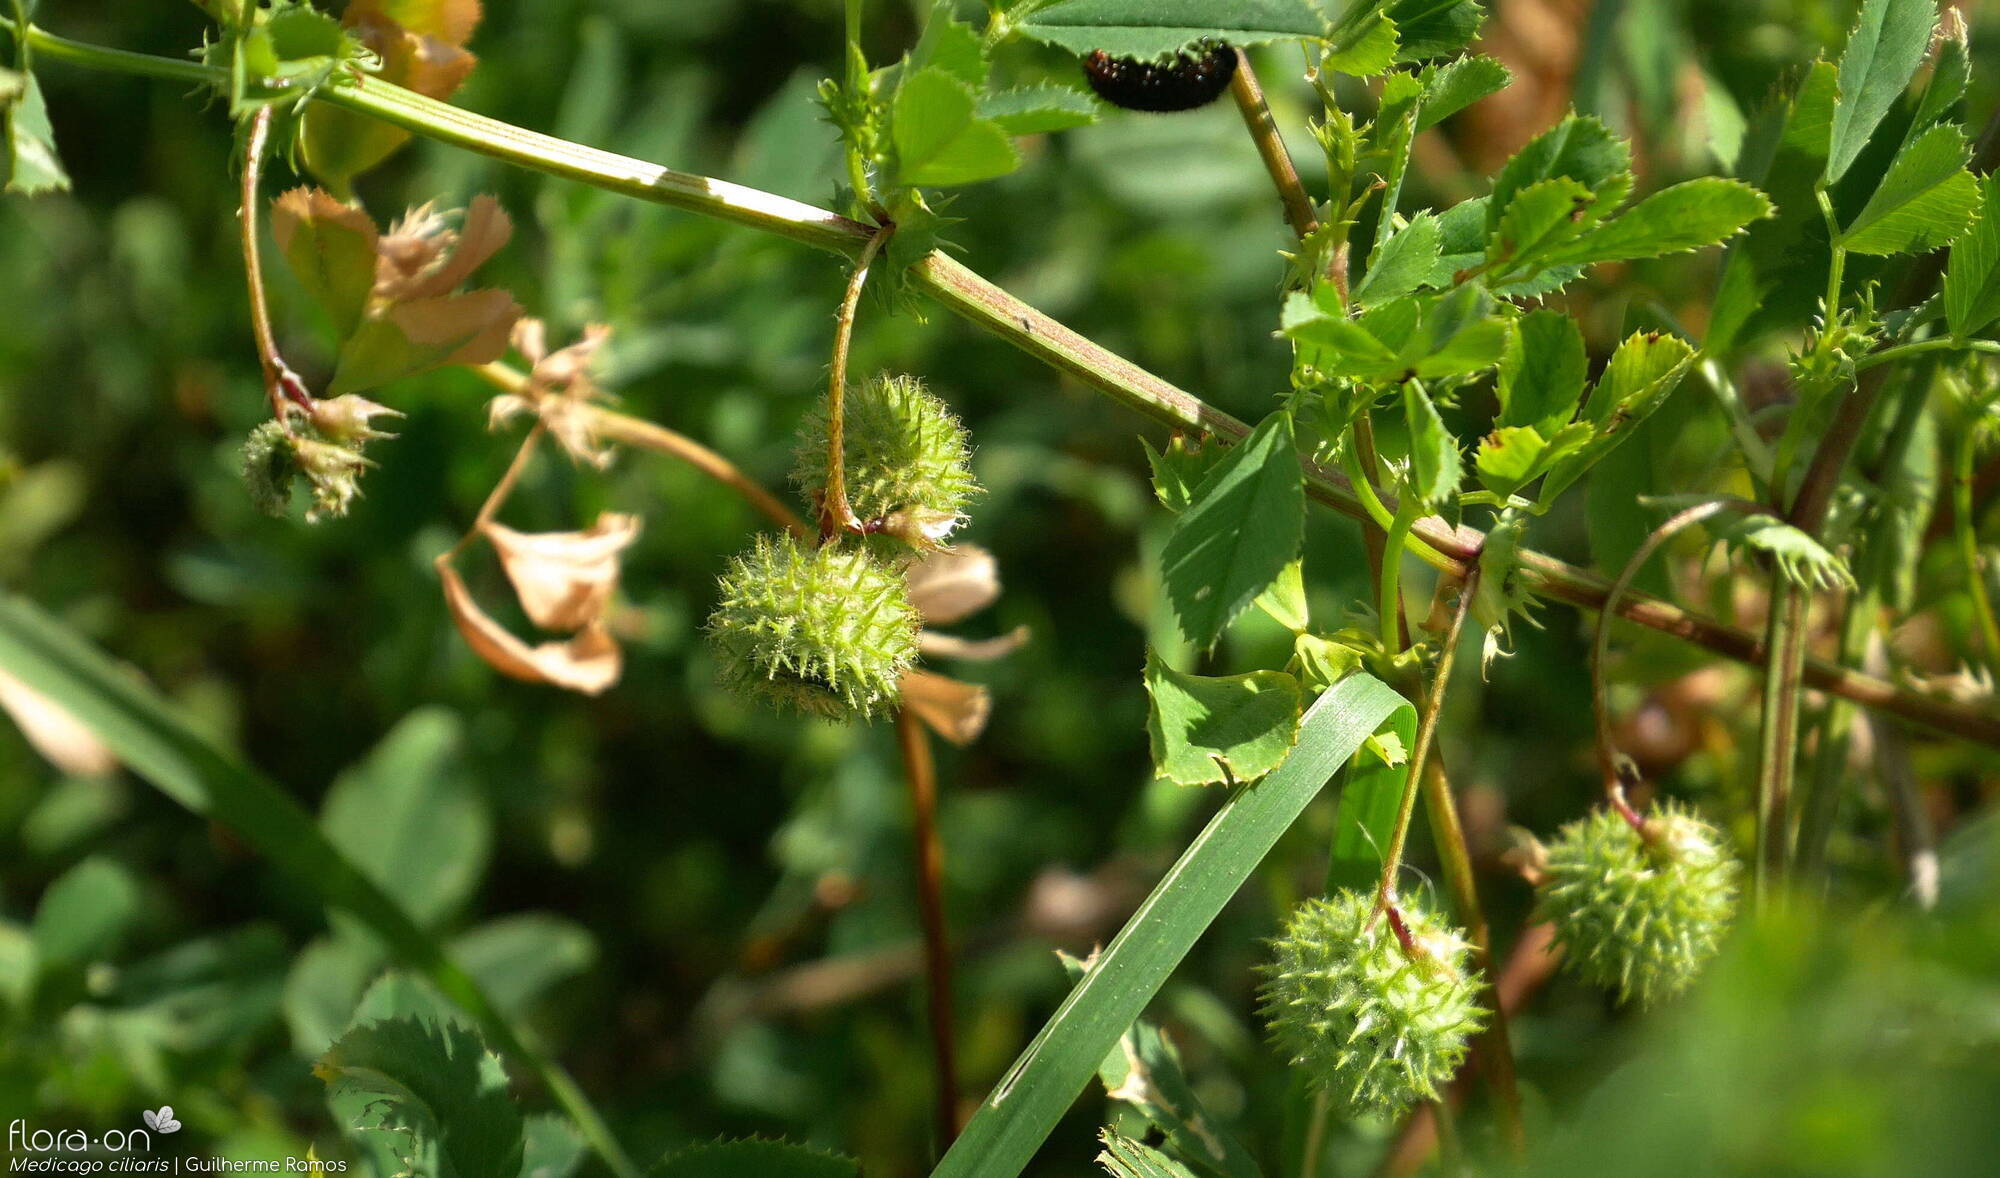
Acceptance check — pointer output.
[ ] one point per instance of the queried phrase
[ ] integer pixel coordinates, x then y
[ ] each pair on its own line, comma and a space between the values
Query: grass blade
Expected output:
138, 725
1022, 1109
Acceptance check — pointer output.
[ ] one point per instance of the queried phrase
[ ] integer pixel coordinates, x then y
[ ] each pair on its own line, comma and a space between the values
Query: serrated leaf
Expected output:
1123, 1157
1972, 277
1153, 29
1883, 52
1242, 527
940, 139
764, 1159
1435, 28
1926, 199
1403, 263
1435, 464
1346, 347
1458, 336
1211, 730
1509, 457
1642, 373
436, 1089
1367, 52
1539, 220
1179, 469
1038, 110
1541, 374
1580, 148
950, 45
31, 163
1687, 216
1455, 85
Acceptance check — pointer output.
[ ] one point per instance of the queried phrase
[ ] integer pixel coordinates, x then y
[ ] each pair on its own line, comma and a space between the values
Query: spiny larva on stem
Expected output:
1377, 1024
908, 459
1640, 910
824, 629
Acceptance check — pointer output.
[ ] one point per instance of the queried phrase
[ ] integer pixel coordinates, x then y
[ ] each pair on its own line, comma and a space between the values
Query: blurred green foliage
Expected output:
709, 910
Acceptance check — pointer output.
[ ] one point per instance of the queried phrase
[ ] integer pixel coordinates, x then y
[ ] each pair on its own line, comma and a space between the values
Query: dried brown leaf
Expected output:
954, 583
589, 662
54, 732
978, 650
954, 710
449, 21
330, 246
565, 579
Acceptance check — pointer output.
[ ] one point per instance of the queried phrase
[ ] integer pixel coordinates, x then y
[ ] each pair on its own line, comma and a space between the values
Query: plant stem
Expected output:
1778, 739
647, 435
281, 385
920, 772
958, 289
1834, 740
1964, 527
1427, 724
835, 516
1264, 133
497, 497
1610, 761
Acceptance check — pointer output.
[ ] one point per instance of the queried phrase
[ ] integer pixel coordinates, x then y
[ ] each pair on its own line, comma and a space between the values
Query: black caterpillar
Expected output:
1187, 80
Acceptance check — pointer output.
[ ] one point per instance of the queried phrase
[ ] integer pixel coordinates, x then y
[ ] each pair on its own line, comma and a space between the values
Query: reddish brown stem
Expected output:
281, 384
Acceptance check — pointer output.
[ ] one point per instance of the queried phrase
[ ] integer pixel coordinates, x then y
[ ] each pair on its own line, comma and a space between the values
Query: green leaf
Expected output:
1015, 1118
85, 913
950, 45
1435, 464
764, 1159
1038, 110
1231, 729
1580, 148
1455, 85
1153, 29
1538, 222
1541, 374
1883, 52
1403, 263
1145, 1072
31, 163
434, 1087
418, 335
408, 816
1348, 347
1458, 336
1972, 278
519, 958
330, 247
1775, 275
940, 140
1123, 1157
1371, 792
1688, 216
160, 747
1511, 456
1241, 529
1179, 469
1926, 199
1435, 28
1285, 600
1367, 52
1643, 372
552, 1149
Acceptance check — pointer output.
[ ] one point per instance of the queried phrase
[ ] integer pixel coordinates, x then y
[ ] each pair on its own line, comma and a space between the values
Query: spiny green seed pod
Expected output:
827, 630
1375, 1026
269, 467
906, 456
1639, 913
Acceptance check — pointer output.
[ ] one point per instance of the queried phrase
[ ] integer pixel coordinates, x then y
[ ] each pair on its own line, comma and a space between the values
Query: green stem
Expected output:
1964, 527
1778, 736
1943, 343
1427, 724
1444, 546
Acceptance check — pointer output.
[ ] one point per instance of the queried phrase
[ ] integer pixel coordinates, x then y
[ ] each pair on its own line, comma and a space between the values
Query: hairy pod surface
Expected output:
1375, 1027
1187, 80
824, 629
1641, 914
906, 455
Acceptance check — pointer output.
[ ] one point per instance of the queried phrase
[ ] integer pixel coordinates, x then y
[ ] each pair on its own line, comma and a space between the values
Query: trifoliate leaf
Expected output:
1926, 199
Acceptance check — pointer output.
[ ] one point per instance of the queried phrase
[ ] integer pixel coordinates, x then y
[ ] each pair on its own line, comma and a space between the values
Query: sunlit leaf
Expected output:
1207, 730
